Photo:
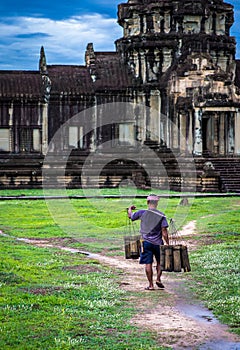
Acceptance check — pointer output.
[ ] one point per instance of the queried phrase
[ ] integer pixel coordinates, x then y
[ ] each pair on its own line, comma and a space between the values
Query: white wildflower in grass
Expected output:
18, 308
72, 286
68, 342
99, 304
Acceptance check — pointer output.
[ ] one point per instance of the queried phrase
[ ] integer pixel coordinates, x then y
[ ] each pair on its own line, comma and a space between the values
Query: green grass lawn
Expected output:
54, 300
51, 299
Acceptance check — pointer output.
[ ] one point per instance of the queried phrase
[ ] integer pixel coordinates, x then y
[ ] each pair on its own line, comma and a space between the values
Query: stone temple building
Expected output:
177, 58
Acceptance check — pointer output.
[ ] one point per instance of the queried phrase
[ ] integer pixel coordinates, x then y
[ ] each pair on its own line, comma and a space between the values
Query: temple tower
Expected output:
158, 34
182, 52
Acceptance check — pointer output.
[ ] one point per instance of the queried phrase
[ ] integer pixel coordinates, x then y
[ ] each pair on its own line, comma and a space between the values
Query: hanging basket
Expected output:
174, 258
132, 246
132, 241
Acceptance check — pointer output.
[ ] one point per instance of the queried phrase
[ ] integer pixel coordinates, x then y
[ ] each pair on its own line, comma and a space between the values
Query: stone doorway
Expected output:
207, 134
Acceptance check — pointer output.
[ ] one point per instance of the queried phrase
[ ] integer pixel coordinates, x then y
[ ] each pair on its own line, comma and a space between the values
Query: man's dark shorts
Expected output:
148, 251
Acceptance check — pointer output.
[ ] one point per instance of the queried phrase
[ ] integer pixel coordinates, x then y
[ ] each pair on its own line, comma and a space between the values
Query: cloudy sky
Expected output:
64, 28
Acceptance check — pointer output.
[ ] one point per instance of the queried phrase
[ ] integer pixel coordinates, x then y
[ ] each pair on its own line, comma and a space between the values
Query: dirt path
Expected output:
178, 320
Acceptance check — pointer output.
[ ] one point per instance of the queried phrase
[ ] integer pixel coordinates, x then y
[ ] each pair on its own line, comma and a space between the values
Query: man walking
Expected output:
153, 230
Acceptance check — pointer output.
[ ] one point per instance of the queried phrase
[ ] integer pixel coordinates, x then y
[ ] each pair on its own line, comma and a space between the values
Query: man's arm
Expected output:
165, 235
130, 209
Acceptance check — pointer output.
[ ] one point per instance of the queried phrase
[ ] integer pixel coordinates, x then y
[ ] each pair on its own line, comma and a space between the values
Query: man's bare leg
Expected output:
149, 273
159, 274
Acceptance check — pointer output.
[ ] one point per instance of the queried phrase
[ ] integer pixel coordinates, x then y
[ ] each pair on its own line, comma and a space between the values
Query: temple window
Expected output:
150, 25
214, 23
29, 139
36, 140
4, 140
127, 134
191, 25
75, 136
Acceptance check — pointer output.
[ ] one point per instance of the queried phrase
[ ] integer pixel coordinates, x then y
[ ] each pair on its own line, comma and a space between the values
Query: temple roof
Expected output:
20, 83
67, 78
108, 72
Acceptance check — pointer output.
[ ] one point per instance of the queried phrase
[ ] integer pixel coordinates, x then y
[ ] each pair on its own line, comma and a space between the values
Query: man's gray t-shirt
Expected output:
152, 222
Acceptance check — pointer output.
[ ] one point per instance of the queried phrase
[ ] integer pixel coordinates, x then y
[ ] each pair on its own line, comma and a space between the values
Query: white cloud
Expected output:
64, 41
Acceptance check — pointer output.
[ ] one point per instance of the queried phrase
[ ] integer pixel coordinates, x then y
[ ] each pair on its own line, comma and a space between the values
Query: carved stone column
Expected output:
216, 134
155, 112
237, 128
222, 134
143, 65
190, 135
94, 123
11, 131
44, 128
197, 142
182, 132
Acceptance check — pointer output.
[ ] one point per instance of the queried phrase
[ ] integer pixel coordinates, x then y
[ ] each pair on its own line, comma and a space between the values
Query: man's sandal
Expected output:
160, 285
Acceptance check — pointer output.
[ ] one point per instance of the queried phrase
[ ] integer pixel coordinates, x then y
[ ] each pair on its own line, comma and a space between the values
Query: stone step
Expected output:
229, 170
